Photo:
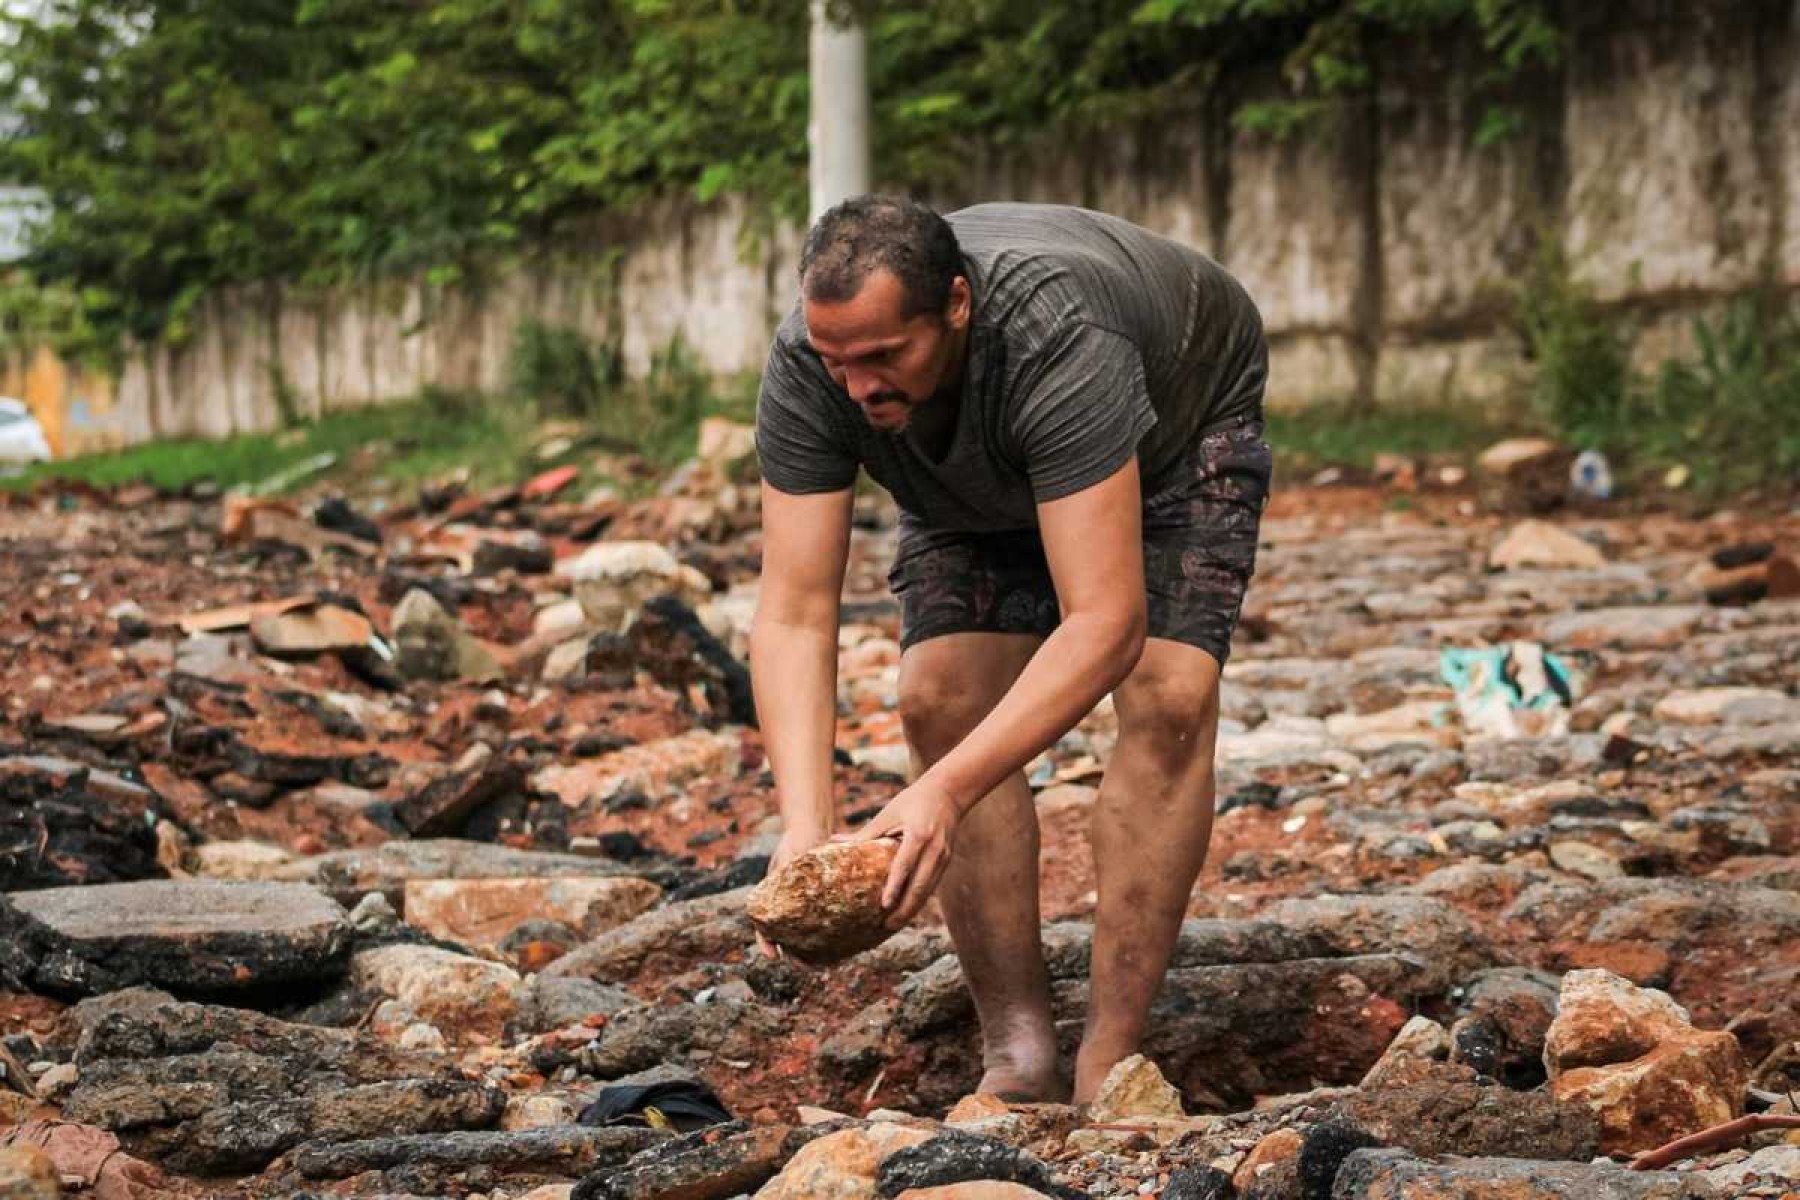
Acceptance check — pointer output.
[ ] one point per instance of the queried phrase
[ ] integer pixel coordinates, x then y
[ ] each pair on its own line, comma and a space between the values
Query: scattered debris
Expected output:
1541, 544
1524, 474
1515, 690
1745, 574
1396, 895
431, 644
1591, 475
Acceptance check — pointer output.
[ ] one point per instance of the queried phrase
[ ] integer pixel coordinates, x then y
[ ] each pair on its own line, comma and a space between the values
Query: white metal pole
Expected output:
838, 134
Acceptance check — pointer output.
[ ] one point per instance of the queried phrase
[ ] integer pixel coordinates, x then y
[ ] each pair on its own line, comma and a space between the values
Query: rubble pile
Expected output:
367, 848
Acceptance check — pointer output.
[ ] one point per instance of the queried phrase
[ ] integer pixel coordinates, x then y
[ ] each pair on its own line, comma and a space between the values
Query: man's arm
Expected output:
1094, 542
793, 654
1093, 539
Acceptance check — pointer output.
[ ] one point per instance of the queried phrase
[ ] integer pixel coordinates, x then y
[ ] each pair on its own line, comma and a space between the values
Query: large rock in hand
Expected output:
825, 905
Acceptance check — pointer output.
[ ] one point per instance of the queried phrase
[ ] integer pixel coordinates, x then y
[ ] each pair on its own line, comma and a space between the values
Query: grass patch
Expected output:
566, 373
1334, 435
405, 441
1729, 415
556, 377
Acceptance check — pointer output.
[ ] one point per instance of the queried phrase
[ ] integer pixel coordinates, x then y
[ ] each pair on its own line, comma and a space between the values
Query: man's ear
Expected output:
956, 312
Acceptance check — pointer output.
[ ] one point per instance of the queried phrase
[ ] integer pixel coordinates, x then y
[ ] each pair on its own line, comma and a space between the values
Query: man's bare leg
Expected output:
989, 892
1150, 830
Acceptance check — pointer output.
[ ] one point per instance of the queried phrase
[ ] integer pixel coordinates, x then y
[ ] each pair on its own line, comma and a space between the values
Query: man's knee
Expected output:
1171, 716
948, 684
938, 709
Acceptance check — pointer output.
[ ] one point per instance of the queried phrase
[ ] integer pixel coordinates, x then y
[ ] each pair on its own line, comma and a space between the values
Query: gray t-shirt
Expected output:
1091, 340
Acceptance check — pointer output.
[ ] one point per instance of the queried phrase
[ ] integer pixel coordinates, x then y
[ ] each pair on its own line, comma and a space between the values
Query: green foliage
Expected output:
561, 369
397, 441
1733, 413
1728, 414
495, 437
1583, 358
1349, 435
34, 314
558, 371
661, 413
1328, 48
188, 145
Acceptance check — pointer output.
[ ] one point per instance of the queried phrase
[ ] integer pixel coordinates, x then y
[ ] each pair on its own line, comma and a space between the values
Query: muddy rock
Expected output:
482, 912
1501, 1023
1541, 544
707, 928
1662, 921
980, 1189
567, 1150
1421, 1039
658, 768
549, 1002
1227, 1032
65, 823
444, 805
192, 936
26, 1173
841, 1165
431, 644
1770, 1165
1135, 1088
1397, 1175
454, 992
614, 580
710, 1164
1272, 1167
1724, 706
1439, 1108
1426, 928
208, 1090
1524, 474
670, 643
956, 1157
936, 996
643, 1037
825, 905
347, 875
1630, 1056
1199, 1183
311, 629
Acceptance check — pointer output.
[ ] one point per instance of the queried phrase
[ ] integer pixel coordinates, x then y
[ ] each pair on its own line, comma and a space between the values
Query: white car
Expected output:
21, 437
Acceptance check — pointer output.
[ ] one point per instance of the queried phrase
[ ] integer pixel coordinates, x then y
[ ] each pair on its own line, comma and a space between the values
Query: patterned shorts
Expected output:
1199, 553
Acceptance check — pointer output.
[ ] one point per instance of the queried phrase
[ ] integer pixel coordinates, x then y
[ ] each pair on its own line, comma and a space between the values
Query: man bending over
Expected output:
1067, 410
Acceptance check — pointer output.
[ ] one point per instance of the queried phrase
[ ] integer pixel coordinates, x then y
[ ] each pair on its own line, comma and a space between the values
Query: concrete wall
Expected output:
1382, 247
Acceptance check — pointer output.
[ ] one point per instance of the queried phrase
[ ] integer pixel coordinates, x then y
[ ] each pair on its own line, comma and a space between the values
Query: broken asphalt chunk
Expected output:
311, 629
443, 806
432, 644
210, 1090
191, 936
66, 823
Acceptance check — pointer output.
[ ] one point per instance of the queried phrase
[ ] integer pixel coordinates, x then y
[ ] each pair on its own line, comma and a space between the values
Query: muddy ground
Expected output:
487, 798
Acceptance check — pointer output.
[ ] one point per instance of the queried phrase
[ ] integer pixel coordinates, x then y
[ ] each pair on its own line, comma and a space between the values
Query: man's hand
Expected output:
924, 818
793, 843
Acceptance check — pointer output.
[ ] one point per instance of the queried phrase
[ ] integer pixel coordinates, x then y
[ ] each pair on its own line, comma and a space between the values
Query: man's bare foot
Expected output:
1014, 1088
1092, 1064
1024, 1072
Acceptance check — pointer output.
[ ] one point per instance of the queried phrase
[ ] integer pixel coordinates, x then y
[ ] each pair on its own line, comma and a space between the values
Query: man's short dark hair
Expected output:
854, 238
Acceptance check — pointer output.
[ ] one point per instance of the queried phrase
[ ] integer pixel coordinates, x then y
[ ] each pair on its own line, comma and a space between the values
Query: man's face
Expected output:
889, 363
